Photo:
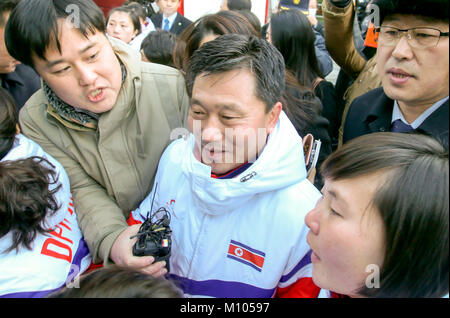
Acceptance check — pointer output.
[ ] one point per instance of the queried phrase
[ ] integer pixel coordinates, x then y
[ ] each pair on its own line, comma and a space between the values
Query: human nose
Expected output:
116, 29
87, 76
312, 219
402, 50
211, 131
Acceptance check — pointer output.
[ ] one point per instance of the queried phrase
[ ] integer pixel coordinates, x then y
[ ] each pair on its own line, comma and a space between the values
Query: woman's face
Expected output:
346, 235
121, 26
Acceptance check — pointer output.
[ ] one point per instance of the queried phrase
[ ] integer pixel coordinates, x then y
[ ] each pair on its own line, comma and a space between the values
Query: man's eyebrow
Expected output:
230, 106
53, 63
196, 102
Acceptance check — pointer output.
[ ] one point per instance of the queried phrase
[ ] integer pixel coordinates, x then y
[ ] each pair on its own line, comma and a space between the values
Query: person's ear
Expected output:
273, 116
144, 57
134, 34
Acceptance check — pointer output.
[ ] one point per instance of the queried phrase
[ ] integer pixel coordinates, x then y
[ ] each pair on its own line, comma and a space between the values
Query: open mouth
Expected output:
399, 72
96, 95
398, 76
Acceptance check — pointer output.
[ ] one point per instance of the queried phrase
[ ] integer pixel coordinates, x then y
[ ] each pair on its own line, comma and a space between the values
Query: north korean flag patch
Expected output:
246, 255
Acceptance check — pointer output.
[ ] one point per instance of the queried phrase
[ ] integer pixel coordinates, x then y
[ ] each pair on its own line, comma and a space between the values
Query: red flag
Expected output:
246, 255
181, 8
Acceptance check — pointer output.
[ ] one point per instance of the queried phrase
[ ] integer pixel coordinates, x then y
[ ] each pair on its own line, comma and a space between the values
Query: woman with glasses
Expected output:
413, 64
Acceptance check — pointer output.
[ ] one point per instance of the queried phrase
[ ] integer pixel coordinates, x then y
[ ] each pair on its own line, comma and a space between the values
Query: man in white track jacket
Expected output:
238, 225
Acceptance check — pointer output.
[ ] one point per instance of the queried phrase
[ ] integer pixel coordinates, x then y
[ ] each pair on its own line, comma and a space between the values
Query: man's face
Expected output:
169, 7
414, 76
229, 122
86, 74
7, 62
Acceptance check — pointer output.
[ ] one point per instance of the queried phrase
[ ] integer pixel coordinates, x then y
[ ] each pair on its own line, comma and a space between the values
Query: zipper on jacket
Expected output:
197, 242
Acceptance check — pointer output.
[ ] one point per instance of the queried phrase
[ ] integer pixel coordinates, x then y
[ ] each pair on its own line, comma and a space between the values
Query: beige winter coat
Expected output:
111, 168
339, 41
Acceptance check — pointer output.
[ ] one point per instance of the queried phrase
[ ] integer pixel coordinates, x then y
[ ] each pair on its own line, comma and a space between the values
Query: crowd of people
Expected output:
277, 182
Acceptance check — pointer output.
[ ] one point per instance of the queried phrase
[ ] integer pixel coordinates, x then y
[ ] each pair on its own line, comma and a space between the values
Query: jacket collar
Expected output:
436, 124
379, 117
379, 113
280, 165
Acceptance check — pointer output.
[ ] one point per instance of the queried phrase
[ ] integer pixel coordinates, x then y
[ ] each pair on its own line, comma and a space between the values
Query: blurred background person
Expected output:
168, 18
158, 47
123, 24
236, 5
291, 33
208, 28
146, 23
358, 74
21, 81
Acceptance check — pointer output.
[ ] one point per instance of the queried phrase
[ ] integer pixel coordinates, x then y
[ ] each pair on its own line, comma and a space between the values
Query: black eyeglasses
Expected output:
419, 38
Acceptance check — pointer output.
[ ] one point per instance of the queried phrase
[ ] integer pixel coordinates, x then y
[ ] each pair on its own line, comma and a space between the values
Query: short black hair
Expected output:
33, 25
6, 6
235, 5
158, 47
235, 51
413, 202
434, 9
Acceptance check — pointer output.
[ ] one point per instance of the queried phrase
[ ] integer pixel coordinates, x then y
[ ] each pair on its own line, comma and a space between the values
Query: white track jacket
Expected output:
57, 257
241, 237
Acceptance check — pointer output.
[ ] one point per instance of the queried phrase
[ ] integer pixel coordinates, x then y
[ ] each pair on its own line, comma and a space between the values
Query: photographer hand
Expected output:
122, 254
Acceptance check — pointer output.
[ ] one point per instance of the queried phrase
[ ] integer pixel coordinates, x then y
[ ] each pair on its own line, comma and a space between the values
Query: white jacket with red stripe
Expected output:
239, 237
57, 257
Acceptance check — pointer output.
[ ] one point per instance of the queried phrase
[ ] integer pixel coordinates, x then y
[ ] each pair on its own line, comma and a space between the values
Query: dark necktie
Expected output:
401, 127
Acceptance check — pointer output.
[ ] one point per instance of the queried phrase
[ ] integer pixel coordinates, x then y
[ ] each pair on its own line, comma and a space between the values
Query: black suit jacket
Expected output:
21, 84
178, 26
372, 112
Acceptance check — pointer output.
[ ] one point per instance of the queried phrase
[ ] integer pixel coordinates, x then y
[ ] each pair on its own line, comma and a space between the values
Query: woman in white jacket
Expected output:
41, 246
